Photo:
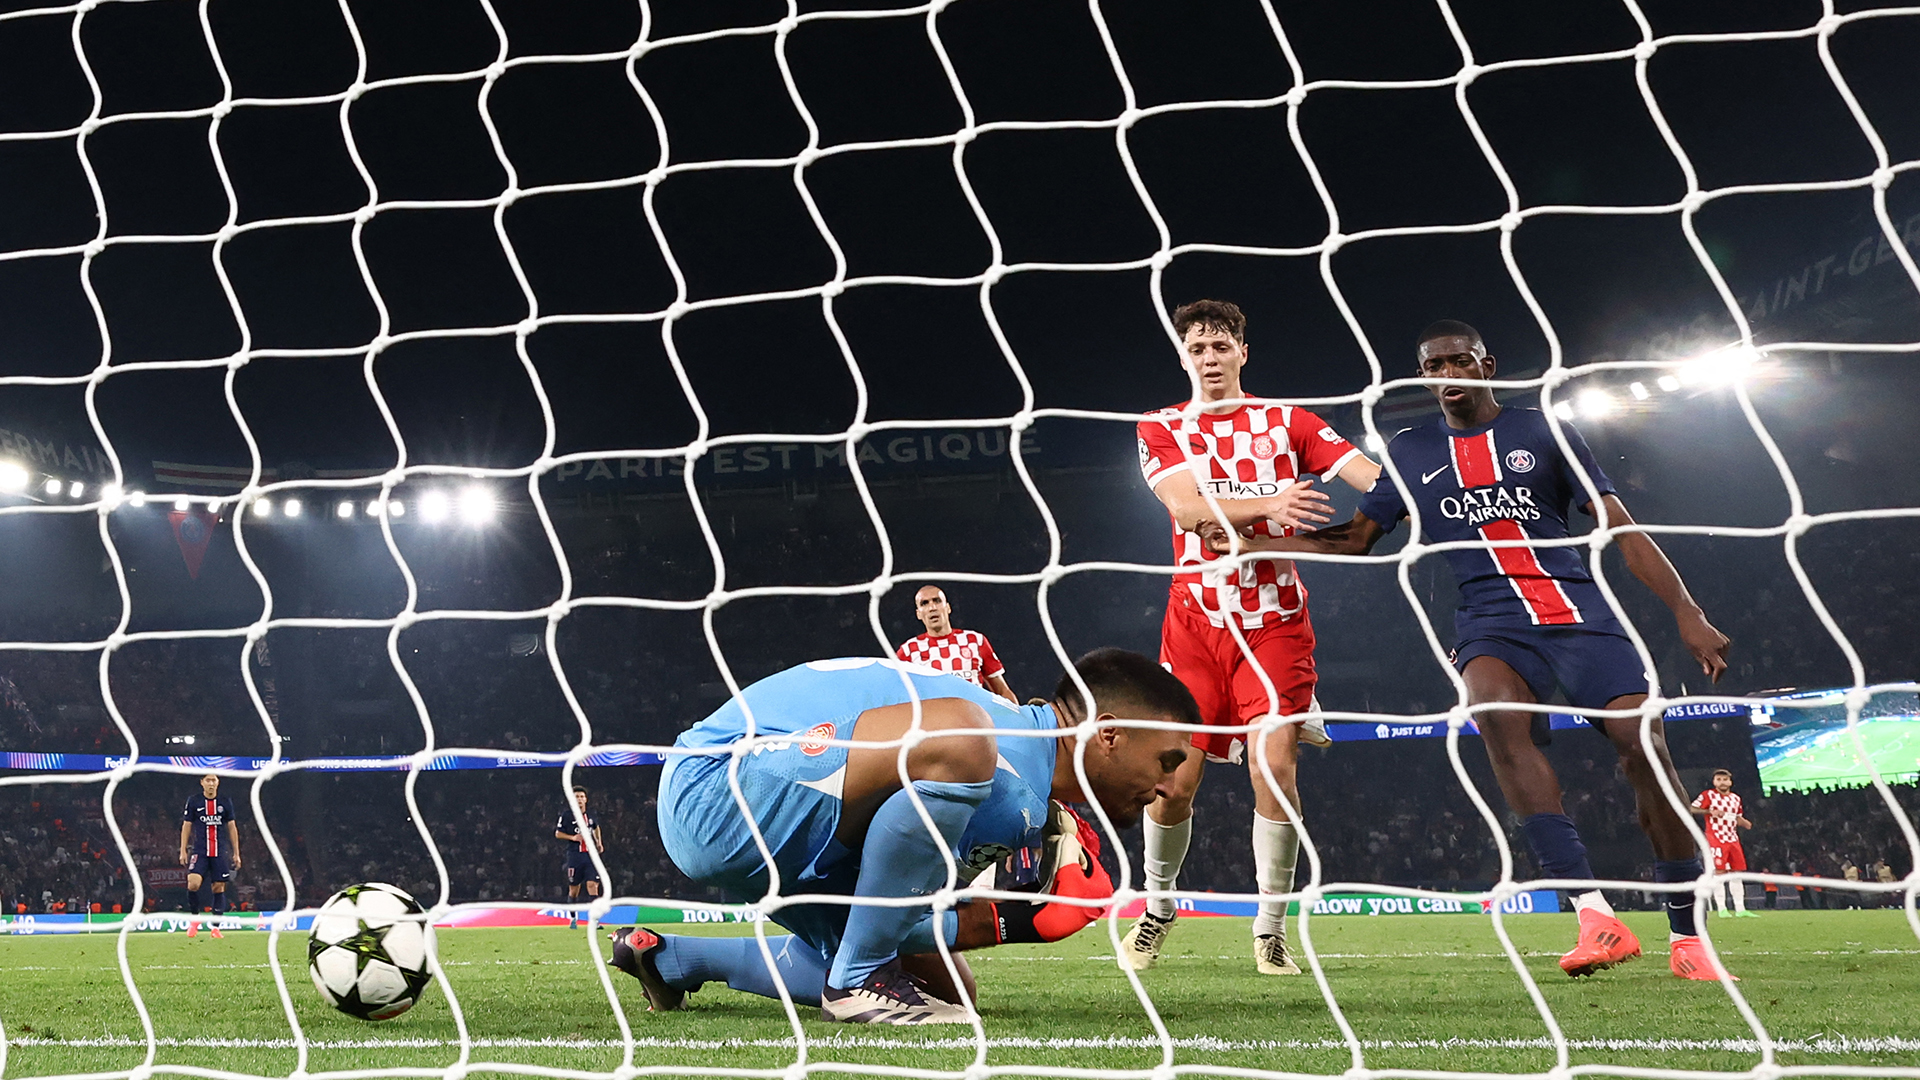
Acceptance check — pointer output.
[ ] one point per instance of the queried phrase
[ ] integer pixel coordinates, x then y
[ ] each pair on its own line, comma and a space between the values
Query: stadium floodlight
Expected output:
76, 489
1719, 367
1639, 391
292, 508
13, 477
138, 498
345, 509
181, 504
1563, 409
1667, 383
476, 505
396, 508
1595, 404
435, 506
262, 507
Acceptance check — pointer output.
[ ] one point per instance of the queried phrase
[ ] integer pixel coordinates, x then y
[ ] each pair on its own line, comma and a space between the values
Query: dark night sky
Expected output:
1612, 286
1746, 113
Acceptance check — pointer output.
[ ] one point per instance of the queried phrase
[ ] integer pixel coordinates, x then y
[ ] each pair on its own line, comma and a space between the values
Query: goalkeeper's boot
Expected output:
1604, 942
1689, 961
888, 996
1270, 956
1140, 949
633, 953
1743, 913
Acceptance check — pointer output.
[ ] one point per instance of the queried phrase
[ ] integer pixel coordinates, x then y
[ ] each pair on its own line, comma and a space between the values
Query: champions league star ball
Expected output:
366, 957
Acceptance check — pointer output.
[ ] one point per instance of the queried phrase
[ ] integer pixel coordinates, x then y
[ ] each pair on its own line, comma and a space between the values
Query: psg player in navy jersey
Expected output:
580, 869
206, 853
1531, 618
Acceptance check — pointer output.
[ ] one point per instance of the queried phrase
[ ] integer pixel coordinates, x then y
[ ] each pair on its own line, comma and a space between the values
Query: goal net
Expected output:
399, 398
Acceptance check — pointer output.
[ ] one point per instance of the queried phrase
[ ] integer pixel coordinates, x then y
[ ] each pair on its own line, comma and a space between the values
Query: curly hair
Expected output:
1218, 316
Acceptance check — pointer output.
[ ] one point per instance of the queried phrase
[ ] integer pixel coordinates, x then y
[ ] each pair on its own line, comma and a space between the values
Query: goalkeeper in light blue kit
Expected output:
839, 822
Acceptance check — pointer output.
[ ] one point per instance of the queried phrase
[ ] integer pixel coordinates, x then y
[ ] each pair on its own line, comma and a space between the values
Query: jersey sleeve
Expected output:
1382, 502
1323, 451
1700, 801
563, 824
901, 652
1584, 454
187, 811
1160, 455
990, 665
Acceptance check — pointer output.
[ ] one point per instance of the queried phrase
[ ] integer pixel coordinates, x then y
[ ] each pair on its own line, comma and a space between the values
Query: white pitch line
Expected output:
1824, 1044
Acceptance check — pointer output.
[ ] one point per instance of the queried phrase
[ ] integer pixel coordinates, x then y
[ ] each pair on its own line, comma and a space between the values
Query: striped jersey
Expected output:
1253, 452
1504, 480
208, 817
1723, 809
965, 653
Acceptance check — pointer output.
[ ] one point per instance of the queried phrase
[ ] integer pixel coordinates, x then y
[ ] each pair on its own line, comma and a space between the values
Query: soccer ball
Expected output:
366, 958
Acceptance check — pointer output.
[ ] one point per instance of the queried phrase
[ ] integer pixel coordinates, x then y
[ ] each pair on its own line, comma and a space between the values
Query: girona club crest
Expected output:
1263, 447
814, 744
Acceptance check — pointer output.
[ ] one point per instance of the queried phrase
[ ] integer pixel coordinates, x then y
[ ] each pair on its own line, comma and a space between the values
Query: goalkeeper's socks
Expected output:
193, 901
686, 962
1679, 905
1276, 848
1556, 846
899, 857
1165, 851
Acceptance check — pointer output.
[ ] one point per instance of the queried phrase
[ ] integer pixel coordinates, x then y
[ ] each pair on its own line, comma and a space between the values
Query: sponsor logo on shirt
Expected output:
812, 745
1480, 505
1236, 489
1520, 461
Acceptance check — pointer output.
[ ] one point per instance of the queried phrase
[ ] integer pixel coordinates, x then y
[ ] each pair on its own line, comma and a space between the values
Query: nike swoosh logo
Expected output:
1428, 479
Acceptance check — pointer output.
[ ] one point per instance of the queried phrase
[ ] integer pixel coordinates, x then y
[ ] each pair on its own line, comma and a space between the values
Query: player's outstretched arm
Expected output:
1360, 473
1648, 563
1355, 537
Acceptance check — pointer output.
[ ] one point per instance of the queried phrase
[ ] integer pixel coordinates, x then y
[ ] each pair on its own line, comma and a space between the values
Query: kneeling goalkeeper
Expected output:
839, 821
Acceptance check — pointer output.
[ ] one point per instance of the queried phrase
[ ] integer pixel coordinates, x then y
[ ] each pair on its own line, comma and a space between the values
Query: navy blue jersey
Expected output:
209, 817
1505, 480
566, 825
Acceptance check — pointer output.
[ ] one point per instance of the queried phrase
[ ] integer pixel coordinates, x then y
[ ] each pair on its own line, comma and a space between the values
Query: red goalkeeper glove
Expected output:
1075, 873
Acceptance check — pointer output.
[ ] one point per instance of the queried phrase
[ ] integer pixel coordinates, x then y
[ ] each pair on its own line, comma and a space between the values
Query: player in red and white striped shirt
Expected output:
965, 653
1242, 643
1724, 812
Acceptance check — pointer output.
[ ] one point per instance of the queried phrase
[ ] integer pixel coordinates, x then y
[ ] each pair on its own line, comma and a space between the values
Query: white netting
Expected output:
776, 35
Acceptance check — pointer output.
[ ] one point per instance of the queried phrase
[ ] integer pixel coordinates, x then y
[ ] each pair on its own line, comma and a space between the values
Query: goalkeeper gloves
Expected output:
1070, 867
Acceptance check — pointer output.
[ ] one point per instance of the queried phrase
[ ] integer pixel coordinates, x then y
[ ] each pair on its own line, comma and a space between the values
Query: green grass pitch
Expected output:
1893, 745
1422, 992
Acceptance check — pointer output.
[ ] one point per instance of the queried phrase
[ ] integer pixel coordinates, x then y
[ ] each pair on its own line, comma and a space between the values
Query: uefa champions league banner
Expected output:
1340, 731
105, 762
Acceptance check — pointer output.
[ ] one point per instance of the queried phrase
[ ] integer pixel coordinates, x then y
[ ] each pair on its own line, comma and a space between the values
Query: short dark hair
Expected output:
1450, 328
1120, 677
1220, 316
1728, 773
578, 790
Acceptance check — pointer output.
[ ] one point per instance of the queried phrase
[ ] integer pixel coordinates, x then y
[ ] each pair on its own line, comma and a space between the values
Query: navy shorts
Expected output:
1593, 666
580, 869
211, 867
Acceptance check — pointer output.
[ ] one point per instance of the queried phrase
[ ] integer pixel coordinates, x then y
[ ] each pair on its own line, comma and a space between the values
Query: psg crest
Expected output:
1520, 461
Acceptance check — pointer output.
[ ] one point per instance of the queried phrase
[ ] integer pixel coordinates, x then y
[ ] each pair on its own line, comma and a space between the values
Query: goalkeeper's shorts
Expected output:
1225, 683
1595, 666
708, 838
